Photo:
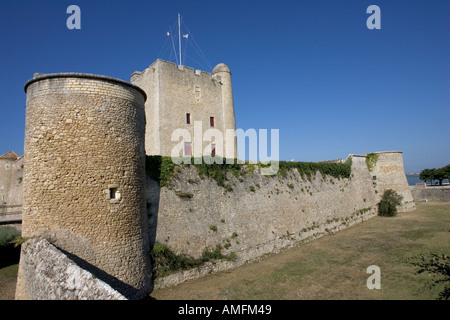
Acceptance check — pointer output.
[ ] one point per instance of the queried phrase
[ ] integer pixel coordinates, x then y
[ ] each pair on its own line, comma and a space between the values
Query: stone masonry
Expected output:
84, 176
389, 173
85, 192
176, 93
11, 168
264, 214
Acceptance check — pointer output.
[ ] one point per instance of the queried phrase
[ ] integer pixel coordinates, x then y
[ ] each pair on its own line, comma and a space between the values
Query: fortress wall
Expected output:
15, 185
5, 180
390, 174
278, 214
430, 193
10, 185
84, 175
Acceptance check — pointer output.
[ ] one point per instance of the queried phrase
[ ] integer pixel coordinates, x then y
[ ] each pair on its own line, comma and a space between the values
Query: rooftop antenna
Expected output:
180, 52
179, 36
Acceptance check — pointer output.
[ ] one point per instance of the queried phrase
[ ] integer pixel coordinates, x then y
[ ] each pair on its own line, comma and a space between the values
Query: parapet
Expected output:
168, 64
43, 76
383, 152
221, 67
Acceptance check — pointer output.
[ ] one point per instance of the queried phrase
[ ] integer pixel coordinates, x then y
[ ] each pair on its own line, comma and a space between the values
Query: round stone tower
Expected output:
84, 176
222, 74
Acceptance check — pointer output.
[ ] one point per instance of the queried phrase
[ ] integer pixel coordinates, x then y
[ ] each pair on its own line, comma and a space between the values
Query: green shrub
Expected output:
184, 195
389, 203
7, 235
166, 261
18, 241
308, 169
232, 256
215, 254
218, 172
371, 160
160, 169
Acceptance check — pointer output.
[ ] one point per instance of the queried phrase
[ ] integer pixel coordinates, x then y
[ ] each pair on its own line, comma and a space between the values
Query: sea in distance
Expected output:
412, 180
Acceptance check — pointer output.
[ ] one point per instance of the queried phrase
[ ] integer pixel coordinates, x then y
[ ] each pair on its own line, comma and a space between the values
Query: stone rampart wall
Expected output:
431, 193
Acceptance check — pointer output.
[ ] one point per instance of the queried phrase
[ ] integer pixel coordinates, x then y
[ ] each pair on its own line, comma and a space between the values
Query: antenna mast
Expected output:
179, 36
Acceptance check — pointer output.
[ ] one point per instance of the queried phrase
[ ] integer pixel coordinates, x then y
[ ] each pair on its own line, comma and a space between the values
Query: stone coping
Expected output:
84, 76
387, 152
377, 152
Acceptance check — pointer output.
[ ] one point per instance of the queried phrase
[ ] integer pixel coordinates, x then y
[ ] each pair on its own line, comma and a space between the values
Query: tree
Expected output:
440, 175
446, 170
427, 175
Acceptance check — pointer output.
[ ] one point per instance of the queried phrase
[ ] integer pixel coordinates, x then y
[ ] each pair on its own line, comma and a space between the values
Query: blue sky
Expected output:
311, 69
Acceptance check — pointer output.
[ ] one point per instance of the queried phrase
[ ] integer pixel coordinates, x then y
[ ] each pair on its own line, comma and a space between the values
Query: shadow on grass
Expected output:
9, 255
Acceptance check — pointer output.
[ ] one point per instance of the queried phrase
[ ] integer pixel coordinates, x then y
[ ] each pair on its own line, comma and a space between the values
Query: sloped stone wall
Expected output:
260, 214
430, 193
50, 275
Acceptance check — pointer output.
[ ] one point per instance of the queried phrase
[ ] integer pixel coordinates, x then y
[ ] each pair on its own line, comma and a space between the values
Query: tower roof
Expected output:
221, 67
43, 76
10, 155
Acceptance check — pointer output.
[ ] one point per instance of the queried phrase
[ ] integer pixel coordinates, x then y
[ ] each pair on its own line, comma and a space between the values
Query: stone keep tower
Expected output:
181, 98
84, 176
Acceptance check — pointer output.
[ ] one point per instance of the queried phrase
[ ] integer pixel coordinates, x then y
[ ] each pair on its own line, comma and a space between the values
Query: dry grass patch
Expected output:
334, 267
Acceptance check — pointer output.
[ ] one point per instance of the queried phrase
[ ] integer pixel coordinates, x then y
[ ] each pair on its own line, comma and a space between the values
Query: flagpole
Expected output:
179, 36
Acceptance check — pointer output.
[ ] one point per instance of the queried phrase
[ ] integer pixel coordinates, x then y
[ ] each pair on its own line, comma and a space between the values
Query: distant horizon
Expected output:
406, 172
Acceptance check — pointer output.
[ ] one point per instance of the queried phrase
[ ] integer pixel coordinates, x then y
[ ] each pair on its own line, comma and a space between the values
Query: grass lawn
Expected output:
334, 267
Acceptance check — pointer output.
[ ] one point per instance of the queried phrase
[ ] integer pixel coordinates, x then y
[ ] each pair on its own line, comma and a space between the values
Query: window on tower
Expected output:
188, 118
114, 194
211, 121
198, 93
